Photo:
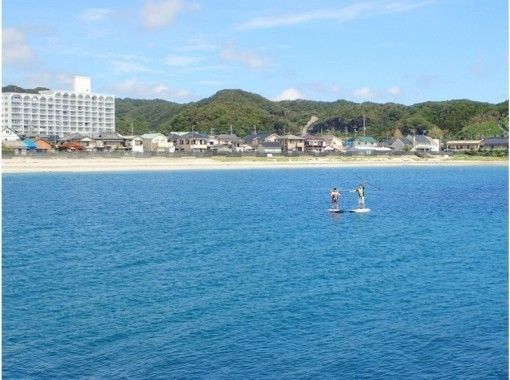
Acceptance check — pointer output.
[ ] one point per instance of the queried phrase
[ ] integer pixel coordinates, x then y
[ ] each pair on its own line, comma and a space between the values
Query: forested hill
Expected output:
243, 111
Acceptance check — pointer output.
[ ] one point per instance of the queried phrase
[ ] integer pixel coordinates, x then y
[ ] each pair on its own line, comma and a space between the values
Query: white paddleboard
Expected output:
337, 211
360, 210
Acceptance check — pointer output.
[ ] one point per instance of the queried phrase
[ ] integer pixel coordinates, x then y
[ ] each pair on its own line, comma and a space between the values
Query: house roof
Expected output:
150, 136
72, 145
256, 136
191, 135
228, 137
108, 136
496, 141
30, 144
73, 137
178, 133
290, 137
42, 139
464, 142
133, 137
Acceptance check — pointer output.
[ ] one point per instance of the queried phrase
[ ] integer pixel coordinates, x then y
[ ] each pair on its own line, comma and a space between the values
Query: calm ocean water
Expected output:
244, 274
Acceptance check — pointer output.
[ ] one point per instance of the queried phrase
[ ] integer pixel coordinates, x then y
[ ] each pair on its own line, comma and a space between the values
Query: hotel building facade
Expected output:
59, 112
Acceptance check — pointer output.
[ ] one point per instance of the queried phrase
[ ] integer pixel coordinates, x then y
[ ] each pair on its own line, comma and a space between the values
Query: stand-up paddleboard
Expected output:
336, 211
360, 210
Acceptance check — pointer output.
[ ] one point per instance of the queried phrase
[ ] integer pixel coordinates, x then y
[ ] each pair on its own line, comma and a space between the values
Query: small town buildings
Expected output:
424, 144
86, 143
365, 145
71, 146
400, 145
109, 142
493, 143
9, 135
30, 144
191, 142
463, 145
43, 146
333, 143
314, 144
17, 147
291, 143
134, 143
254, 139
224, 143
230, 140
157, 143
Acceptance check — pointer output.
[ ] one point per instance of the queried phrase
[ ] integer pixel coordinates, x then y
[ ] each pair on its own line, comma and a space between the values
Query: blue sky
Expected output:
404, 51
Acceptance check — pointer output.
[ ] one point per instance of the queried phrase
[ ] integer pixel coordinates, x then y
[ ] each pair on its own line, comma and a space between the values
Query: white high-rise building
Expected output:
59, 112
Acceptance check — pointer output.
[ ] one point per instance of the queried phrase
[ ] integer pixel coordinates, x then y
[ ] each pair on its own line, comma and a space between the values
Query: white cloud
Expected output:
182, 60
365, 93
395, 91
350, 12
289, 94
247, 57
139, 89
95, 14
15, 48
158, 14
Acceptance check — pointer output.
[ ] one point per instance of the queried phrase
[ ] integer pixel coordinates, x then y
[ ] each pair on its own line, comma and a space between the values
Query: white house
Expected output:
9, 135
157, 142
134, 143
424, 144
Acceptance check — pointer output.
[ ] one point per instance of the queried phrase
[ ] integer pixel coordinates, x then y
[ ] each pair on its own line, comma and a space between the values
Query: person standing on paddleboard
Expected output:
360, 190
335, 197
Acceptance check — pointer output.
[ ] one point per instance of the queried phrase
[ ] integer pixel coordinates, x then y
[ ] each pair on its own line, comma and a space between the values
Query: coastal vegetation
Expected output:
242, 112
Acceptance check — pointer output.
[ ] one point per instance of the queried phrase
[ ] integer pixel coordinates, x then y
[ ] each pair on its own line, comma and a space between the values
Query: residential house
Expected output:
8, 134
229, 140
109, 141
495, 143
17, 147
43, 146
77, 141
400, 145
30, 144
333, 143
291, 143
365, 145
134, 143
191, 142
314, 143
463, 145
157, 143
254, 139
70, 146
424, 144
224, 143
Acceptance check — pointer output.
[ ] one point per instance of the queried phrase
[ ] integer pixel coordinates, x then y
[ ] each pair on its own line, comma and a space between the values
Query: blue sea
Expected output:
245, 274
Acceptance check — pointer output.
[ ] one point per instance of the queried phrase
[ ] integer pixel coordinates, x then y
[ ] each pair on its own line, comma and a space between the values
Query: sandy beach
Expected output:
102, 164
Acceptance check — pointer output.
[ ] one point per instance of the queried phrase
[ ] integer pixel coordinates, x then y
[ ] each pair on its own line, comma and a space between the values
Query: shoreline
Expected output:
125, 164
